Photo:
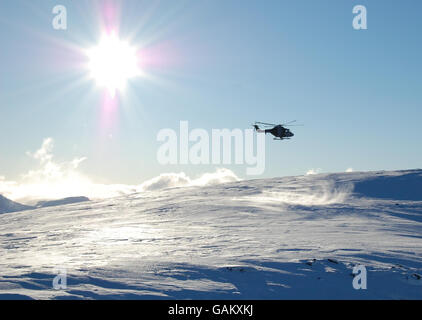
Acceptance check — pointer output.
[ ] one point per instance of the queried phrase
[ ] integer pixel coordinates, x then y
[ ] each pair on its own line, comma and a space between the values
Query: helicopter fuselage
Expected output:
280, 132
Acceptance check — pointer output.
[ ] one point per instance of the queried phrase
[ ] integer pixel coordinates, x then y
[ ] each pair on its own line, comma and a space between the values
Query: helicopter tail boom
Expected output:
258, 129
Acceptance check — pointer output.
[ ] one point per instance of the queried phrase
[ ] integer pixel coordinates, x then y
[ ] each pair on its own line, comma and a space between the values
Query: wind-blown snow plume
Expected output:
320, 194
166, 180
171, 180
313, 171
323, 194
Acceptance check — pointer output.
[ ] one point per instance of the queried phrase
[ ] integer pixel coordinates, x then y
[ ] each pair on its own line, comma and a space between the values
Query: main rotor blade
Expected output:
288, 124
285, 124
266, 124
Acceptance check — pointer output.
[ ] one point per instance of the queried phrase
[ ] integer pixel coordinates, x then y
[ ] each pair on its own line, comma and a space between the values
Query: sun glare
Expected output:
112, 62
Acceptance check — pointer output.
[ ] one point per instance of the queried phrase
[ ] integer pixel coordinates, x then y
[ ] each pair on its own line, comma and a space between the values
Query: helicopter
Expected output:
279, 131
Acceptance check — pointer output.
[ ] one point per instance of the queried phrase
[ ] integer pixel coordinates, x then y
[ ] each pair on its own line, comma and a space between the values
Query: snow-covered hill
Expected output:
7, 205
61, 202
283, 238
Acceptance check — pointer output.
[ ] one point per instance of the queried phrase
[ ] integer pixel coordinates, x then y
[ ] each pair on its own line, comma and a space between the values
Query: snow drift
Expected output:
283, 238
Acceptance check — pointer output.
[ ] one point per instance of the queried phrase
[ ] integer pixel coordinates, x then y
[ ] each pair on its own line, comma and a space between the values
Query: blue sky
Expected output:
224, 64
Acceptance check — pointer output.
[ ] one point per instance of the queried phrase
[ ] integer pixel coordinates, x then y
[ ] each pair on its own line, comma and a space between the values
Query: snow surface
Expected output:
283, 238
54, 203
7, 205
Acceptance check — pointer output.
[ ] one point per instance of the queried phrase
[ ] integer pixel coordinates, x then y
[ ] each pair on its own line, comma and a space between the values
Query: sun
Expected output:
112, 63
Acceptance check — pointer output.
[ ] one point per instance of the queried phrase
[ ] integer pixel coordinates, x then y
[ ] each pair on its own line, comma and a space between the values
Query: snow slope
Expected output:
60, 202
283, 238
7, 205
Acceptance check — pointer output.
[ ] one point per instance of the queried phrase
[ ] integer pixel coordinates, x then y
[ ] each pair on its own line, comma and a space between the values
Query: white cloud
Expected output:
56, 180
5, 185
349, 170
44, 153
50, 170
313, 171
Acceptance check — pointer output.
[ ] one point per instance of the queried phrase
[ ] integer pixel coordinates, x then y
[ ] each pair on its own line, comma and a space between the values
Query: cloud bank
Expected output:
55, 180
